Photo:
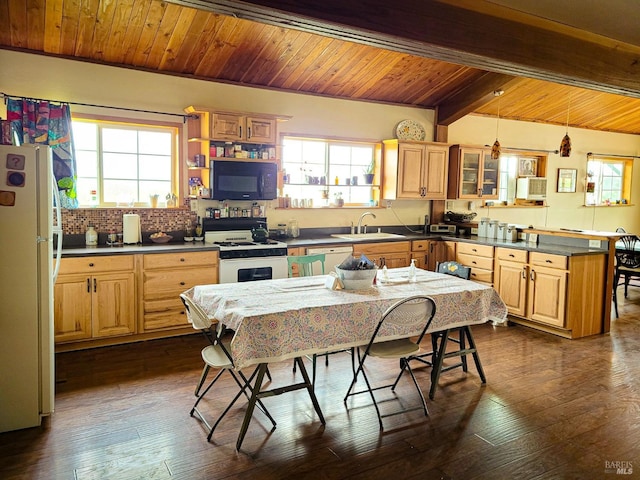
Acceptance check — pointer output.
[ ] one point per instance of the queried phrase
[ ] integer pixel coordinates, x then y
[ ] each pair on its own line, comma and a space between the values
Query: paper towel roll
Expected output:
131, 228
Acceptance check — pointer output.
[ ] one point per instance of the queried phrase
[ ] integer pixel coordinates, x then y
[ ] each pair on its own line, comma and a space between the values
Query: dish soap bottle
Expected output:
412, 271
91, 236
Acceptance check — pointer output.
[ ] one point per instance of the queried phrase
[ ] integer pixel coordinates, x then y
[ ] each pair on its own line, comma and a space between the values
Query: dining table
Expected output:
289, 318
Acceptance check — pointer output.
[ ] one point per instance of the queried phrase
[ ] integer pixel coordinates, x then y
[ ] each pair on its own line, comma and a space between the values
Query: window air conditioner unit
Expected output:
531, 188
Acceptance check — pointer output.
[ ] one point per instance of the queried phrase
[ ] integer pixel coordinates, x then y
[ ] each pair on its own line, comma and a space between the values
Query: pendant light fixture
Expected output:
495, 149
565, 144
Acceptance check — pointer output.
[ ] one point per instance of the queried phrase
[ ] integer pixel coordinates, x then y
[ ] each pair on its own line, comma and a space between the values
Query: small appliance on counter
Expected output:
131, 231
442, 228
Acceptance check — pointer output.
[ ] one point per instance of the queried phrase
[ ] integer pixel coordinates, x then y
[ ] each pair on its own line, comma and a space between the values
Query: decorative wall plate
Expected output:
410, 130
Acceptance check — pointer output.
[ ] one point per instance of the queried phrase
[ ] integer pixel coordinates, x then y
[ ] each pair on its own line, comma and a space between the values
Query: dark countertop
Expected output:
317, 239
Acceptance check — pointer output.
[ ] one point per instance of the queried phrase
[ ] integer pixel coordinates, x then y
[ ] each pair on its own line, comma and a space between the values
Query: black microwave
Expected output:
238, 180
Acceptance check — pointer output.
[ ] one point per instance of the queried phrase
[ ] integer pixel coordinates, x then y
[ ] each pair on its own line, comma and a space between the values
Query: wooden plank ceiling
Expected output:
172, 38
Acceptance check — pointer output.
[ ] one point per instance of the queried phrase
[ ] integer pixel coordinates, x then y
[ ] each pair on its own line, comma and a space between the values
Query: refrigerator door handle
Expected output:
57, 229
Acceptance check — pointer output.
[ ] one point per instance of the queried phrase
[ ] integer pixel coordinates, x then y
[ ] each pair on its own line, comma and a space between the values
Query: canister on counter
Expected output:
502, 231
492, 231
483, 226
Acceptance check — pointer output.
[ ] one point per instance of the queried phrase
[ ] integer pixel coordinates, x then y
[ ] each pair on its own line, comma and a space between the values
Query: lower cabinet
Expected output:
556, 293
391, 254
479, 258
428, 253
94, 298
164, 277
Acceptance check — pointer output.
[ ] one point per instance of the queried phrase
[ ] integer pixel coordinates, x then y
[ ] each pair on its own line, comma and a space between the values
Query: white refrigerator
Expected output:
29, 226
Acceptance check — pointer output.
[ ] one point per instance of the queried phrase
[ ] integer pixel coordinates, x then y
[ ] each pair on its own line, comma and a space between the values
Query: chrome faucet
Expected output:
360, 220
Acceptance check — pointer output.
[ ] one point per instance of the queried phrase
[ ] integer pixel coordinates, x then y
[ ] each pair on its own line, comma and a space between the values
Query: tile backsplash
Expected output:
75, 222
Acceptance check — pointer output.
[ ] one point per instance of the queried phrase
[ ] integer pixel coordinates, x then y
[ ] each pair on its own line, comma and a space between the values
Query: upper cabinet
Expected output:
243, 128
473, 174
414, 170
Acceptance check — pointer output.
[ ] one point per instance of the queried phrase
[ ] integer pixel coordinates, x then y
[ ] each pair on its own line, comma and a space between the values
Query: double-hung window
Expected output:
322, 173
124, 163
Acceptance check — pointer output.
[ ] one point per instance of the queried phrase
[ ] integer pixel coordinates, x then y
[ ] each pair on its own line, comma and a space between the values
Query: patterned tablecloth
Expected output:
281, 319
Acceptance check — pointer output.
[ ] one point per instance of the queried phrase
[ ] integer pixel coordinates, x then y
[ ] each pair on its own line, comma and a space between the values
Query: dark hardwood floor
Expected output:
552, 409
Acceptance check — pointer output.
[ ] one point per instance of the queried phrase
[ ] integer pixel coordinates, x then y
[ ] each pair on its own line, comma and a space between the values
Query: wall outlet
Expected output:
388, 203
448, 205
594, 244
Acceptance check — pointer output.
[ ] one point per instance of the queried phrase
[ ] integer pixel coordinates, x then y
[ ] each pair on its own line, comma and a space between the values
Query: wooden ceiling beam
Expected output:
452, 34
473, 96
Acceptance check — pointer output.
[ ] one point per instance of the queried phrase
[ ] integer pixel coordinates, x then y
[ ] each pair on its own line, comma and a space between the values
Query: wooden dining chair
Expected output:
216, 355
627, 266
440, 340
417, 312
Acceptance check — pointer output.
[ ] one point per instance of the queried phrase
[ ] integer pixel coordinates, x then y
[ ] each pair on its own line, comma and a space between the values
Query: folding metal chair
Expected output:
217, 356
416, 311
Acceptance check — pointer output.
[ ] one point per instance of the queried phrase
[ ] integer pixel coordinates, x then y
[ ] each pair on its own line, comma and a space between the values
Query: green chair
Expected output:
306, 264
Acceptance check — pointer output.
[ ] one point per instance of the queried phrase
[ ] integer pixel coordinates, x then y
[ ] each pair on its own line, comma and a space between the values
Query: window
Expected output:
323, 172
124, 163
608, 181
512, 166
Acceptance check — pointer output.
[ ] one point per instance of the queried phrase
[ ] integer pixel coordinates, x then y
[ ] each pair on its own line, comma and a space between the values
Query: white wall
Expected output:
49, 78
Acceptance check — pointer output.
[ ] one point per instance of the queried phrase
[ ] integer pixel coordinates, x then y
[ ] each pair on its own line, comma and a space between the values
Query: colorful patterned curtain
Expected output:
45, 123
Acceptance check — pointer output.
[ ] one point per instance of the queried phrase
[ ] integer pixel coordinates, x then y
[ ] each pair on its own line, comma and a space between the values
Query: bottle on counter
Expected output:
91, 236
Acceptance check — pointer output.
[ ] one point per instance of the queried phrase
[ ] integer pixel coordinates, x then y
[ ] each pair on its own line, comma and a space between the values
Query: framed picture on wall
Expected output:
527, 167
567, 180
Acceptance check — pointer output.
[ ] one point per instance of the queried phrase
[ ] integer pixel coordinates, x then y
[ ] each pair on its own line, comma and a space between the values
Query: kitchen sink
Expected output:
367, 236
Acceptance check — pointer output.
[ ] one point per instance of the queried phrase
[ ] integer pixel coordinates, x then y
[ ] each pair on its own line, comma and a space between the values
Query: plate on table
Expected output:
410, 130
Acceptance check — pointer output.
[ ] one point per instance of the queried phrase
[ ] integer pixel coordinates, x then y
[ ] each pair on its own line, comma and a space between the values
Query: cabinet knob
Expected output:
91, 265
182, 259
182, 284
511, 255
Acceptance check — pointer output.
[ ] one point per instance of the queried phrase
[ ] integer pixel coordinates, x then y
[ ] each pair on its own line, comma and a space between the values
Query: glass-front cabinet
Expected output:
473, 174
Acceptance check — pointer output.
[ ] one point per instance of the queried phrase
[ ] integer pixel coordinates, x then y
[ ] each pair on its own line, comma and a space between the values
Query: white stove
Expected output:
242, 259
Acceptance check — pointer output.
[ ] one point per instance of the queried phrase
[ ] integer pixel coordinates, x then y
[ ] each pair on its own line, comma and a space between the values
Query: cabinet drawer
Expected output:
172, 260
163, 283
474, 249
381, 248
549, 260
419, 245
475, 261
511, 254
96, 264
481, 275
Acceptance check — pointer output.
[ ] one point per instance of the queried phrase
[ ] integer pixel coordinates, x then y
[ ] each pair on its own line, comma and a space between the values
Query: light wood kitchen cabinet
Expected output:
415, 170
479, 258
511, 278
391, 254
554, 293
94, 298
164, 277
547, 288
428, 253
473, 174
243, 128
